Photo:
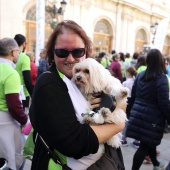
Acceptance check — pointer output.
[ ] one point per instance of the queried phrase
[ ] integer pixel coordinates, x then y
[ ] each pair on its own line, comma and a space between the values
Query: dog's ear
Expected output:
99, 76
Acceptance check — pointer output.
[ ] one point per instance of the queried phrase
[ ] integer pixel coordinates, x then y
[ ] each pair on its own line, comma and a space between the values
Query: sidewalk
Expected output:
129, 151
164, 148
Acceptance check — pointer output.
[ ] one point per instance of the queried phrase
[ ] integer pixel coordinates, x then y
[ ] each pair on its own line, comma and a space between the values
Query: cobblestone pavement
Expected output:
129, 151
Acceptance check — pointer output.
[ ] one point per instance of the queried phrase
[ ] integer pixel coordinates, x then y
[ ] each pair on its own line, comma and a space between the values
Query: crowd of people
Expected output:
55, 104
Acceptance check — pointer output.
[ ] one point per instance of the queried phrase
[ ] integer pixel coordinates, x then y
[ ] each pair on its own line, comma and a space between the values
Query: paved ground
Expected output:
129, 151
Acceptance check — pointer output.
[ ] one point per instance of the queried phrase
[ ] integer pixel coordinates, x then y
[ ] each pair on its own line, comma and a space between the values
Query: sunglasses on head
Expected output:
76, 53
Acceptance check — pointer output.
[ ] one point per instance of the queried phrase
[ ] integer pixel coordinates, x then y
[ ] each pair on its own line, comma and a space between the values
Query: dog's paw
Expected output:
119, 116
115, 141
98, 118
88, 120
104, 112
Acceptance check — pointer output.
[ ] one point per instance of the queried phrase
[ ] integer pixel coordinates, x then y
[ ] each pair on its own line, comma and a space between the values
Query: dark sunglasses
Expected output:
76, 53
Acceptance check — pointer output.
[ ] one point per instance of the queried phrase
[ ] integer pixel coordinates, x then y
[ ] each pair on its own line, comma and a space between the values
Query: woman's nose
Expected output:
70, 58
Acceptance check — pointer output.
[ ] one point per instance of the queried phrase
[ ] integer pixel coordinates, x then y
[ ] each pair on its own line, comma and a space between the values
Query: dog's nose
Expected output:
78, 78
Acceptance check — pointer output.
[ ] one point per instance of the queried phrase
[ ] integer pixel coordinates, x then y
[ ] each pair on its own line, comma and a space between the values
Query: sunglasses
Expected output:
76, 53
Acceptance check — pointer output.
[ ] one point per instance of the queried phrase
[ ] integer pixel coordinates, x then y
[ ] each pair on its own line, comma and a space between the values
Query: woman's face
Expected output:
69, 41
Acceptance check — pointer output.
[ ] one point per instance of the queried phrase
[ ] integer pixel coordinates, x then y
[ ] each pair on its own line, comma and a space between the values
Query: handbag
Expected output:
53, 156
112, 159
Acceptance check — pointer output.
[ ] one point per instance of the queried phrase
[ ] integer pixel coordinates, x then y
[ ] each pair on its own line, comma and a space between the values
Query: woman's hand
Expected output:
95, 102
102, 100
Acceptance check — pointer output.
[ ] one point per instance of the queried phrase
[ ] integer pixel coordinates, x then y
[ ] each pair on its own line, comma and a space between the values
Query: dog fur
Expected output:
91, 77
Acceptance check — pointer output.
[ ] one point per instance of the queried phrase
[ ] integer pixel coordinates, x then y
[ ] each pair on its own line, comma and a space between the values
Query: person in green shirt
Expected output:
141, 64
12, 116
23, 68
104, 60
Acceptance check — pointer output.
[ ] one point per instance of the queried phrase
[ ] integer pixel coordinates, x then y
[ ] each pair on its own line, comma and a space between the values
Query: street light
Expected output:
153, 28
56, 13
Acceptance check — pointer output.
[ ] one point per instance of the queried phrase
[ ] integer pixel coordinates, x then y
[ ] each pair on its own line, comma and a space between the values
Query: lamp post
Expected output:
55, 12
153, 29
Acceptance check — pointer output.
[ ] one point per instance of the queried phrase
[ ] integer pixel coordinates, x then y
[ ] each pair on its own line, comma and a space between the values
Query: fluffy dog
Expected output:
91, 77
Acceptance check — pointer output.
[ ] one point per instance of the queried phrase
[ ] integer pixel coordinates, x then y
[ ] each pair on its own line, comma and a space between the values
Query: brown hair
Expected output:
71, 26
30, 55
132, 71
141, 61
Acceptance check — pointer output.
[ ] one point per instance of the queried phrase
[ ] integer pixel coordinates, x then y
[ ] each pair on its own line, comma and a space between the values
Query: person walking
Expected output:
115, 67
150, 108
141, 64
130, 78
23, 68
104, 60
57, 105
12, 116
34, 69
43, 64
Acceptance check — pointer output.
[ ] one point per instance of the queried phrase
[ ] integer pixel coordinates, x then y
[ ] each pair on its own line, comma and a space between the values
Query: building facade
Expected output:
122, 25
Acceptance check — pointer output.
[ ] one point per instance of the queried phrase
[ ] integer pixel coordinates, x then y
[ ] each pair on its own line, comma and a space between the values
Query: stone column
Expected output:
40, 28
118, 27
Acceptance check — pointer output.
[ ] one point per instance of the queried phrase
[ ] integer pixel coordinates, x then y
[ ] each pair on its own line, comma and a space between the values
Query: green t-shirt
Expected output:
141, 68
9, 83
105, 62
23, 64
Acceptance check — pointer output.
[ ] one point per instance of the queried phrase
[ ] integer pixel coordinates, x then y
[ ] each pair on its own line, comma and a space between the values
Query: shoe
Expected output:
147, 160
136, 144
124, 143
160, 167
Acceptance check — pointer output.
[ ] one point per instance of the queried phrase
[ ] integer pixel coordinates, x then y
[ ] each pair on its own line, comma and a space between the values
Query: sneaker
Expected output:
147, 160
124, 143
136, 144
160, 167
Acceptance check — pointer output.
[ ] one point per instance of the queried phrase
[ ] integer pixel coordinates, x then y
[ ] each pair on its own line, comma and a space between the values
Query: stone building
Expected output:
122, 25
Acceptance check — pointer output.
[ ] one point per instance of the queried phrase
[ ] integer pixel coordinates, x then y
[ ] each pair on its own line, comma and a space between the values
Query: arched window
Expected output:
31, 28
102, 37
140, 40
31, 15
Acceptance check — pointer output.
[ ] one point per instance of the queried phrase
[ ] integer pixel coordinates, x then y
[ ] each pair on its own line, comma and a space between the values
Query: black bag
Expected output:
55, 158
112, 159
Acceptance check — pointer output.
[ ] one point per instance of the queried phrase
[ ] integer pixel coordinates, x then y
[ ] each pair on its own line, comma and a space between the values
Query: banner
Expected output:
40, 28
161, 34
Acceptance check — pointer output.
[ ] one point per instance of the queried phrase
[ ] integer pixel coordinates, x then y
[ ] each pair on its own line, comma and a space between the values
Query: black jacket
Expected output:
52, 115
150, 108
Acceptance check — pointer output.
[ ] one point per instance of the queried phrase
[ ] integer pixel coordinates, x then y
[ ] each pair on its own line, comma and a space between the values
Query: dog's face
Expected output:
89, 76
81, 77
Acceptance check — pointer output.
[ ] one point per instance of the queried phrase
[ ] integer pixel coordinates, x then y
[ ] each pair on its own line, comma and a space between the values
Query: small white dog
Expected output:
91, 77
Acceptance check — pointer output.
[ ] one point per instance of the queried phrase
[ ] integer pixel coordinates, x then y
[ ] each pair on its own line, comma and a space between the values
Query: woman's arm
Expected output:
106, 131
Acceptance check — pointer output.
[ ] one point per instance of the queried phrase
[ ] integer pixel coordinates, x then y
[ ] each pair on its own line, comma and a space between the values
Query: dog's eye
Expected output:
77, 70
86, 71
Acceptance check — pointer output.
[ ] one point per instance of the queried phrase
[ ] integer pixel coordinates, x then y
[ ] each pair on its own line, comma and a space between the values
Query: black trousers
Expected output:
25, 103
142, 151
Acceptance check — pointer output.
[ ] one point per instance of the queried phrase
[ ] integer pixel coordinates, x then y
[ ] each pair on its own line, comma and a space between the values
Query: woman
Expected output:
12, 116
150, 108
57, 105
43, 64
141, 64
123, 65
130, 78
34, 69
115, 67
